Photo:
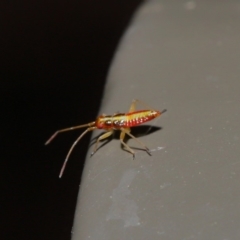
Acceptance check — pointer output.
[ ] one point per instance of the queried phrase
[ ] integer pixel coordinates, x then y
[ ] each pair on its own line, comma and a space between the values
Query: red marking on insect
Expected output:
118, 121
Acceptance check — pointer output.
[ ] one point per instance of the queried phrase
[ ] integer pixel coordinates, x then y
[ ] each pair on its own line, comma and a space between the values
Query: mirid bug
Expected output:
118, 121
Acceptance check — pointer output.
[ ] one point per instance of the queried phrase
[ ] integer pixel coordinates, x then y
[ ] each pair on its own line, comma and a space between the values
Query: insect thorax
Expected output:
116, 121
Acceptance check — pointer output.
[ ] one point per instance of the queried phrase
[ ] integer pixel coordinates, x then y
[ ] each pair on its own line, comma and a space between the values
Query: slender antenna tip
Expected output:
60, 174
48, 141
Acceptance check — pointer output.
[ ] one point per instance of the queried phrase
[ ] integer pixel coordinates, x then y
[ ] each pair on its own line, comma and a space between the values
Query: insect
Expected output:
118, 121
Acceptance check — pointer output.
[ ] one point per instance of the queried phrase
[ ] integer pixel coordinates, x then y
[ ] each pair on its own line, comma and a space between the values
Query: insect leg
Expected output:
68, 129
72, 147
122, 135
142, 144
133, 106
134, 103
103, 136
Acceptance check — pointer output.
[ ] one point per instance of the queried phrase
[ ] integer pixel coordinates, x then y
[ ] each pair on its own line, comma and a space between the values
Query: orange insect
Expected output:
118, 121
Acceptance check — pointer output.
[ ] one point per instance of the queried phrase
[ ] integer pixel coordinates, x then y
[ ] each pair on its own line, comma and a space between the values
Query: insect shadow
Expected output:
135, 131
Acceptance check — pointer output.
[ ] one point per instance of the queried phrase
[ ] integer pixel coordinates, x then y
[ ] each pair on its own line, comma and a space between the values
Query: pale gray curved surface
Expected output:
182, 56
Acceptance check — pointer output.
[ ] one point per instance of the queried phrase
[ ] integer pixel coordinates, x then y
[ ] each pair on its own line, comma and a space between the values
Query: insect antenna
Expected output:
69, 129
72, 147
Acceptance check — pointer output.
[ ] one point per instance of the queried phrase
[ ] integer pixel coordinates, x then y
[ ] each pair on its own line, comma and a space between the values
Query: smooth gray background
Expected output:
183, 56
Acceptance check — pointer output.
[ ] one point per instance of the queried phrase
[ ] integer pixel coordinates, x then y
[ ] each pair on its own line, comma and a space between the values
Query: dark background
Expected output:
53, 65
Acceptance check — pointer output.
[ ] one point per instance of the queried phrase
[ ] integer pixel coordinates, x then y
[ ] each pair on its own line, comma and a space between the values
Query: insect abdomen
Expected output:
139, 117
